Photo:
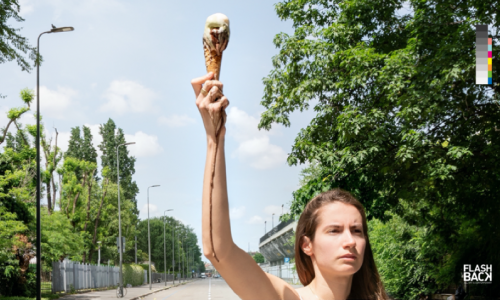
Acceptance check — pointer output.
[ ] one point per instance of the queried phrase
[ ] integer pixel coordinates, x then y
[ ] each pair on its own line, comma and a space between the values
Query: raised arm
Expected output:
238, 268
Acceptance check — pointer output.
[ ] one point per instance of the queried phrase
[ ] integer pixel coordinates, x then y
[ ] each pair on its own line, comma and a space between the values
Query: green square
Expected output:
489, 74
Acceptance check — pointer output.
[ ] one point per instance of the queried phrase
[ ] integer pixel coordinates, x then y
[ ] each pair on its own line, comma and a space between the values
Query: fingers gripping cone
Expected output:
215, 40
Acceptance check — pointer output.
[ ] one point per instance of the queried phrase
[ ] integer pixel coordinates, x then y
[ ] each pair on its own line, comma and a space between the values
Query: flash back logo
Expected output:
480, 274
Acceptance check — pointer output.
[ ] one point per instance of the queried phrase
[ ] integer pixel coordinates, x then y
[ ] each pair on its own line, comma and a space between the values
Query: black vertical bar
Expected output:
38, 223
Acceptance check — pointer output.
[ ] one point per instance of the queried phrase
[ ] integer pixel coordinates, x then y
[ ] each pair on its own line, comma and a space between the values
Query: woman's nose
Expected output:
348, 239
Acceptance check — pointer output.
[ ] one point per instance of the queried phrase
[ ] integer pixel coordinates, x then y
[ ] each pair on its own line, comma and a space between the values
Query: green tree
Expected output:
59, 239
81, 148
185, 241
259, 258
17, 204
400, 121
12, 45
75, 144
111, 138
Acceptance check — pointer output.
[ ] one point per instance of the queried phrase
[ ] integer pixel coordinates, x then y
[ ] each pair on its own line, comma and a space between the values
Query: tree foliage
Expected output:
400, 121
12, 44
184, 243
111, 138
259, 258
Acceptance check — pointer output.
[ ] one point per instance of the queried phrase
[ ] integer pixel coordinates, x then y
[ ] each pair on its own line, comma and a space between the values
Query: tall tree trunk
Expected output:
60, 192
46, 151
97, 219
49, 200
88, 207
54, 163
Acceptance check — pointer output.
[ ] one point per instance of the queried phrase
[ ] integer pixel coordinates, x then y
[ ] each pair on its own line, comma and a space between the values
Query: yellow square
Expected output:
489, 61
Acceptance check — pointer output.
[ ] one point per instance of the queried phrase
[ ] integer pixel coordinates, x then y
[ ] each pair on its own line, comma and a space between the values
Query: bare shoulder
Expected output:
283, 288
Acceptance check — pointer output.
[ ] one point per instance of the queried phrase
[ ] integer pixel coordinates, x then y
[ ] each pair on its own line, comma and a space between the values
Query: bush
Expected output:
10, 276
133, 274
404, 257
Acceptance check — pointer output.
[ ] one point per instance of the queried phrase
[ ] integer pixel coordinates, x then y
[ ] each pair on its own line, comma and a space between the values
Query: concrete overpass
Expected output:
275, 244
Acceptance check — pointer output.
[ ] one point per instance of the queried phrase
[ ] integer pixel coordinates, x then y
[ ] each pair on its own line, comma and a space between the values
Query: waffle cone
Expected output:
213, 62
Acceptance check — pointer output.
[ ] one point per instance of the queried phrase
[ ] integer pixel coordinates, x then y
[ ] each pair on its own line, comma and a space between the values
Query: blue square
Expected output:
489, 48
490, 80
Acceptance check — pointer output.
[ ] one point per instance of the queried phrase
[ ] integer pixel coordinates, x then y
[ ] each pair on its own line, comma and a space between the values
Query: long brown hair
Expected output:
366, 283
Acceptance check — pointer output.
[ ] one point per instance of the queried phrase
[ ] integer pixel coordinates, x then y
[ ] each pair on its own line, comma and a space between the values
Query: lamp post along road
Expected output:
179, 261
38, 245
183, 254
173, 254
149, 240
119, 214
99, 255
165, 245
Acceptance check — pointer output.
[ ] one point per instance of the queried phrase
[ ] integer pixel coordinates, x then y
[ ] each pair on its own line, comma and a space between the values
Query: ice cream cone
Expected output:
215, 40
213, 62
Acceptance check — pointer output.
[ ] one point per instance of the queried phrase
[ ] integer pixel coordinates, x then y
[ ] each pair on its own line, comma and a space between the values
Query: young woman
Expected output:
333, 256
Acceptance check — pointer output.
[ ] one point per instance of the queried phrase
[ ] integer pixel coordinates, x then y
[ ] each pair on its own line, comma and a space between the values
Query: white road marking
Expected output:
209, 287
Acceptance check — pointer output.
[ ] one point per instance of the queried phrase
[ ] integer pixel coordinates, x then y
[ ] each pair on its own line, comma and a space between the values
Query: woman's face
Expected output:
339, 232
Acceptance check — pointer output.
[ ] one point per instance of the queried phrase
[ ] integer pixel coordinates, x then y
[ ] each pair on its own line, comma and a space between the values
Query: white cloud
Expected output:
84, 7
145, 144
62, 139
127, 96
270, 209
27, 7
176, 120
255, 220
56, 103
237, 212
254, 147
153, 211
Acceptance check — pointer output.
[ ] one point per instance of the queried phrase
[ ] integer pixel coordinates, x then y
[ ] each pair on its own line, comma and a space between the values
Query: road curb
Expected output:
163, 289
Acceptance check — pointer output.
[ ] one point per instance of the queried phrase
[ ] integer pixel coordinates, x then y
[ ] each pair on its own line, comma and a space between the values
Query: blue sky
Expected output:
132, 61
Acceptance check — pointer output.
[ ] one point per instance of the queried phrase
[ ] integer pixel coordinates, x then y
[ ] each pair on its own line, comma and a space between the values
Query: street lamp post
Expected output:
179, 262
165, 245
173, 254
99, 255
119, 214
265, 231
38, 215
149, 240
272, 221
184, 255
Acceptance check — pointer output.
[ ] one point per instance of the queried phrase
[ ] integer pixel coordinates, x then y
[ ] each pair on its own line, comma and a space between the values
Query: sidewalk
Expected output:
133, 292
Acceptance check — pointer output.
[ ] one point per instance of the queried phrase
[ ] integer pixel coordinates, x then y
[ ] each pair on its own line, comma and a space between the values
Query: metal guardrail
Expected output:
276, 229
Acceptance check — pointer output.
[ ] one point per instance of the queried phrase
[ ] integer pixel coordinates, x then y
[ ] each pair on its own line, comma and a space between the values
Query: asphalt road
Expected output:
209, 289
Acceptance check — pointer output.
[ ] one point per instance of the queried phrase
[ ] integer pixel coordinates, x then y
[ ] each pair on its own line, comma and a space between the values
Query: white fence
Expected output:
285, 272
68, 275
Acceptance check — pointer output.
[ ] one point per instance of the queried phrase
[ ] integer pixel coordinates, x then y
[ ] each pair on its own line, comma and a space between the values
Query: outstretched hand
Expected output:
211, 105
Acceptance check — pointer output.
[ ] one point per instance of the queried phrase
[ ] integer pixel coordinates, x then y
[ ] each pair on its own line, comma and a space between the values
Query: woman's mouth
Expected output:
348, 257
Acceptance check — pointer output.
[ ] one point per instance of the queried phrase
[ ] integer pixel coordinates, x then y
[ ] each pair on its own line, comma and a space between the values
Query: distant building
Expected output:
275, 244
